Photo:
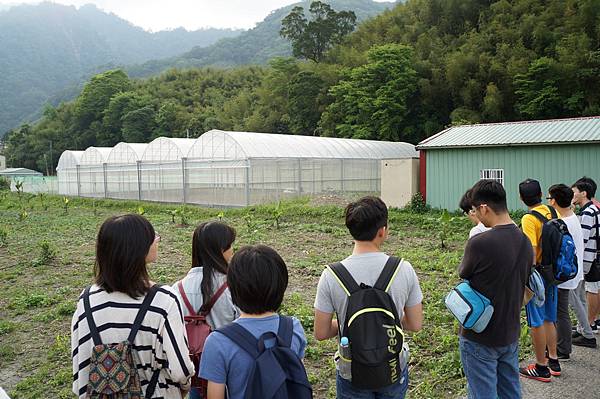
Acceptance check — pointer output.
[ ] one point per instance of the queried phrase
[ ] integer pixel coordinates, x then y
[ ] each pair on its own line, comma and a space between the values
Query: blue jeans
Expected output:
194, 394
345, 390
492, 372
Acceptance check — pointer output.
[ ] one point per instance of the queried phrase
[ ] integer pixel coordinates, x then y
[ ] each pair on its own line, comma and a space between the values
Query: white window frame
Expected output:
492, 174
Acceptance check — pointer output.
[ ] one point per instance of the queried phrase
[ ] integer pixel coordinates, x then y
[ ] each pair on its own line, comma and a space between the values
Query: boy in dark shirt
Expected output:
497, 264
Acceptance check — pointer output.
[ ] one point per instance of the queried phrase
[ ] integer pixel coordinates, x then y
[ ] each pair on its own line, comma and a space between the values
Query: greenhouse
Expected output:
122, 170
222, 168
92, 176
67, 171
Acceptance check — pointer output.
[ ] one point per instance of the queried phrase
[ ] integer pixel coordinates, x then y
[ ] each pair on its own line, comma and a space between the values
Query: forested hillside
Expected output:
401, 76
48, 50
257, 45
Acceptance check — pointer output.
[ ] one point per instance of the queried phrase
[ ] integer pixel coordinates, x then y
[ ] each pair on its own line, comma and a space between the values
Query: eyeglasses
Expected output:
549, 198
474, 208
156, 238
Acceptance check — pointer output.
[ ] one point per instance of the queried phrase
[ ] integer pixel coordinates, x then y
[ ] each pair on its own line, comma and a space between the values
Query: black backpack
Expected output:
373, 328
559, 258
278, 372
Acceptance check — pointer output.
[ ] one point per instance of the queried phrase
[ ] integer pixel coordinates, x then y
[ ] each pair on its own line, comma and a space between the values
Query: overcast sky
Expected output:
157, 15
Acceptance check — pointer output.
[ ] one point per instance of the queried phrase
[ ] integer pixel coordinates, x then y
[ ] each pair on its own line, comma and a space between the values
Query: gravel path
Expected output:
580, 378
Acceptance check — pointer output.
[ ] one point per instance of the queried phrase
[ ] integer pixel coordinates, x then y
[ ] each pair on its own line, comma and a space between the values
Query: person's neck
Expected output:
364, 247
244, 315
564, 212
501, 219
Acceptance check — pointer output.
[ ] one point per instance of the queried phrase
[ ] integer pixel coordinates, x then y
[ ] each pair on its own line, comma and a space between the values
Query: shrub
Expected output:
4, 184
417, 204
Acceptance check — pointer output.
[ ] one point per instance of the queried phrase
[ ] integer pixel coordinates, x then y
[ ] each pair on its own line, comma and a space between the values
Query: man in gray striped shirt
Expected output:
589, 217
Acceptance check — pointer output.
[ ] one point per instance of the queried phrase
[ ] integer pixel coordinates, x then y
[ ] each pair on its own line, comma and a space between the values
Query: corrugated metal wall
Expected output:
450, 172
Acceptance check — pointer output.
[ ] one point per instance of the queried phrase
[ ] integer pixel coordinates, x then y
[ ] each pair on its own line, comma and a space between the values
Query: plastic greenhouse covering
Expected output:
222, 168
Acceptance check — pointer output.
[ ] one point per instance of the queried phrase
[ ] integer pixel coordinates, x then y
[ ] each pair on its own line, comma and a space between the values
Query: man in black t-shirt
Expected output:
497, 264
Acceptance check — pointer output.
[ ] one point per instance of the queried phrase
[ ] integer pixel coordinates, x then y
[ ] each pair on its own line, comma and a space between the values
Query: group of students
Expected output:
129, 335
498, 262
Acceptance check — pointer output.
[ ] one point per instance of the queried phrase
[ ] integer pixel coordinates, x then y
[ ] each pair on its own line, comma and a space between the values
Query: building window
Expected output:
492, 174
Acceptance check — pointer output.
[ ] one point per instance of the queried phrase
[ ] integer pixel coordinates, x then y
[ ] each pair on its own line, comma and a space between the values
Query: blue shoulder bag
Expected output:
471, 308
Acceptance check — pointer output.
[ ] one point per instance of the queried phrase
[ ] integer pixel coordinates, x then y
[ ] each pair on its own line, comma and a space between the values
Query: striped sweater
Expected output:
589, 216
160, 343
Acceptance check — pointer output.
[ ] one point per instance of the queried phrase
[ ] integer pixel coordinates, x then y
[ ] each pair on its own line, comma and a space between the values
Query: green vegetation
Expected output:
37, 299
311, 39
401, 76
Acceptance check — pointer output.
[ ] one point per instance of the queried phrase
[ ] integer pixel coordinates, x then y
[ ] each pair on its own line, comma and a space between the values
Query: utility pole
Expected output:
46, 164
51, 159
187, 133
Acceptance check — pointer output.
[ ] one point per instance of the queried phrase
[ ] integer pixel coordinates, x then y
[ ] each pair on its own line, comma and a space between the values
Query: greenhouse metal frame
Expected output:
229, 169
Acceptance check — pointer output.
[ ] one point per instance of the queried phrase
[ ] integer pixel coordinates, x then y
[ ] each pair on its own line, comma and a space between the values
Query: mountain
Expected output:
48, 50
257, 45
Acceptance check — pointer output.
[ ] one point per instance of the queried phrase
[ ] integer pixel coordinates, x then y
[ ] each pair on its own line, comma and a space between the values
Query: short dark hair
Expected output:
209, 241
588, 185
121, 248
491, 193
365, 217
562, 194
465, 202
530, 192
257, 279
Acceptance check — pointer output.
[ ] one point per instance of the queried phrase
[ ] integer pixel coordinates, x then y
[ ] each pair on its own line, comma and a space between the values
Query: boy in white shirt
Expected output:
560, 197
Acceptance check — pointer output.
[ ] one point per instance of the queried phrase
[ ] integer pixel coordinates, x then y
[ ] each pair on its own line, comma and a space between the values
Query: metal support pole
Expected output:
248, 183
184, 179
299, 177
105, 182
78, 182
139, 179
342, 174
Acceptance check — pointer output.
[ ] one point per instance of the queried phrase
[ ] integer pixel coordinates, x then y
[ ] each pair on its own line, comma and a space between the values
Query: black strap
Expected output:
242, 338
152, 384
90, 318
142, 312
389, 270
345, 277
597, 237
553, 212
539, 216
286, 330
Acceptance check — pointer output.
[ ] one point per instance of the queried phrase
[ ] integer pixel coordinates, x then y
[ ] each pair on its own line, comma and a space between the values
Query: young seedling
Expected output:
277, 213
42, 197
66, 204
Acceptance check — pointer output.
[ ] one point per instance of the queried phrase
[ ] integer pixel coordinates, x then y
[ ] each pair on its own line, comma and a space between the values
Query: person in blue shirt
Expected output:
257, 279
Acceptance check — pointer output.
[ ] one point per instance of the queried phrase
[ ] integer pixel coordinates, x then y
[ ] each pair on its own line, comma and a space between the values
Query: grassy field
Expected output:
47, 255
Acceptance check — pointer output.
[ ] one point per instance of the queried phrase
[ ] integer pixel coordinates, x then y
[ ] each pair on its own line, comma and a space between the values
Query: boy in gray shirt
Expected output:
366, 220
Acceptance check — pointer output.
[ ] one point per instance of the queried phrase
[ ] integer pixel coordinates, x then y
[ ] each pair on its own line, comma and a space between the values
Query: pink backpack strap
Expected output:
186, 301
205, 309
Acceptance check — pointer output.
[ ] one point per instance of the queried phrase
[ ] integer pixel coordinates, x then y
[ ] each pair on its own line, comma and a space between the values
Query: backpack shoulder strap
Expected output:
242, 338
205, 309
90, 318
286, 330
539, 216
344, 278
185, 299
142, 312
553, 212
388, 273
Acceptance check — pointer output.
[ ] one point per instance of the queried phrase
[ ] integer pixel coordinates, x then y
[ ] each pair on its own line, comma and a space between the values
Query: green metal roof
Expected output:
554, 131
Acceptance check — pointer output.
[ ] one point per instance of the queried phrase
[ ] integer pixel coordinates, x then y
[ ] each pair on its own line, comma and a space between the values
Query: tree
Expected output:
138, 125
311, 39
96, 96
372, 103
304, 91
538, 90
